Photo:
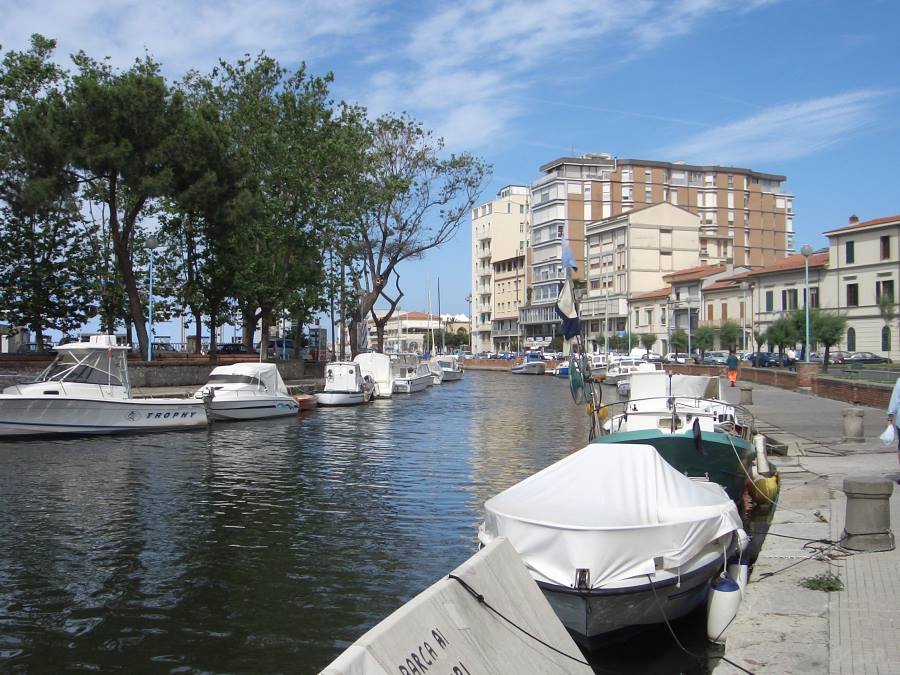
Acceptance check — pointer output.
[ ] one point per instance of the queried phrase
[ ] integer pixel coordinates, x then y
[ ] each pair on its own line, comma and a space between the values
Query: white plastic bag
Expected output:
889, 435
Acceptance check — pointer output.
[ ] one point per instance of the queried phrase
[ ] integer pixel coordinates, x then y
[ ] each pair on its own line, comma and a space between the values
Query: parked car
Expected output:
865, 357
32, 348
164, 349
279, 348
716, 358
232, 348
763, 359
838, 356
466, 355
679, 357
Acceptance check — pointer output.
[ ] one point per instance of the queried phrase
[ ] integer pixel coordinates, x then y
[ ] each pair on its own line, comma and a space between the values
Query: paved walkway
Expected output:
783, 627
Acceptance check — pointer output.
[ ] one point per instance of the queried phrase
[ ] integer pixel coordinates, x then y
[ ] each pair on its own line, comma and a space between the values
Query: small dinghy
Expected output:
345, 384
617, 538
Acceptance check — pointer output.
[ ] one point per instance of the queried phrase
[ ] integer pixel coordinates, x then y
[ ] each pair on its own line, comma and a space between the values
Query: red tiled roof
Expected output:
867, 223
730, 282
652, 295
699, 272
792, 262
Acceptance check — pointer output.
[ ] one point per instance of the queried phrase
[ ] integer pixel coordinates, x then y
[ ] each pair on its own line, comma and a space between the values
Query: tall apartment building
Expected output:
499, 242
746, 217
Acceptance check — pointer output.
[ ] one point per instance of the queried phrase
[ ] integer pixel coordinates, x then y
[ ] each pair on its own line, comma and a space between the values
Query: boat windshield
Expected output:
233, 378
89, 367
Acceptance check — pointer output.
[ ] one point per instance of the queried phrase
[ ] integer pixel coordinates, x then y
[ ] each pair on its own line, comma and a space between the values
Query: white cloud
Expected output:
784, 132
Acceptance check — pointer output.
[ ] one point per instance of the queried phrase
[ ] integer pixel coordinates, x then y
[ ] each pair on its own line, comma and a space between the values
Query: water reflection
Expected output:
259, 546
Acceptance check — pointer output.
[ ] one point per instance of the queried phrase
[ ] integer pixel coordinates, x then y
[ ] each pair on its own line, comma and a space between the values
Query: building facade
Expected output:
499, 242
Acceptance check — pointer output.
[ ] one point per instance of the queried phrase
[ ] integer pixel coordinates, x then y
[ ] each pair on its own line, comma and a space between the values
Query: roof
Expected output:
615, 162
691, 273
638, 209
792, 262
652, 295
886, 220
728, 282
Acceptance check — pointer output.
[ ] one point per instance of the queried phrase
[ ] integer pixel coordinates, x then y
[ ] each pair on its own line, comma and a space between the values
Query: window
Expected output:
852, 297
709, 312
884, 289
649, 317
731, 180
851, 340
814, 297
789, 299
770, 301
741, 308
849, 252
674, 197
662, 315
885, 247
637, 317
648, 195
724, 311
885, 339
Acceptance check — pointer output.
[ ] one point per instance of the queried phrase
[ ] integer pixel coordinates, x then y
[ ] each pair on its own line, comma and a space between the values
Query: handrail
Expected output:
743, 417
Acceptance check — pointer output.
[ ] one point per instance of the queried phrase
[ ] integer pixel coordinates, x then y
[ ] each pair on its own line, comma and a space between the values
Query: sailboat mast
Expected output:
430, 319
443, 332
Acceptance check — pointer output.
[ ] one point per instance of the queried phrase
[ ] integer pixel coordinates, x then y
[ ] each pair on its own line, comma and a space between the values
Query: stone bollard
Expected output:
853, 425
746, 394
867, 526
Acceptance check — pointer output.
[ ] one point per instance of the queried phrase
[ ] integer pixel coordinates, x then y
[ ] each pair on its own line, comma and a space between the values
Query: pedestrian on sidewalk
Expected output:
731, 365
892, 416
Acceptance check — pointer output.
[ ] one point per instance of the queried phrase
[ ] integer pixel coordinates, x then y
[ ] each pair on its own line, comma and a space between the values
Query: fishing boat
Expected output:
247, 391
378, 367
445, 368
345, 384
687, 420
562, 370
410, 375
86, 391
616, 537
599, 363
532, 364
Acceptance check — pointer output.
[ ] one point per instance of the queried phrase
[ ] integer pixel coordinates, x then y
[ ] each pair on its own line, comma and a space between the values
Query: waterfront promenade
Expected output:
783, 627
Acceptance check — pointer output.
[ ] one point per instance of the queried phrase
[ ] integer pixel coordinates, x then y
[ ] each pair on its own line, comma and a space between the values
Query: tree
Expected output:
729, 335
782, 333
888, 311
679, 340
647, 342
704, 337
759, 337
829, 329
47, 257
414, 202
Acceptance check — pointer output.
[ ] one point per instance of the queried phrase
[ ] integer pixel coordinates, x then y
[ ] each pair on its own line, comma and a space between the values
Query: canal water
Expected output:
270, 546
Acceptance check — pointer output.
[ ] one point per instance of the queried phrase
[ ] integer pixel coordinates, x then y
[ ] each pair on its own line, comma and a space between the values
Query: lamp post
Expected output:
806, 251
744, 287
152, 244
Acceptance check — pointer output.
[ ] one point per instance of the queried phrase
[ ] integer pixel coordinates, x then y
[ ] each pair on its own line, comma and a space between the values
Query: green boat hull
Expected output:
727, 465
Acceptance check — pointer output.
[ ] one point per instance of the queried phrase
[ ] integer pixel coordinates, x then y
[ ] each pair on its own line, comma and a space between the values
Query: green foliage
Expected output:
679, 340
704, 338
827, 581
828, 328
782, 333
729, 334
887, 308
647, 341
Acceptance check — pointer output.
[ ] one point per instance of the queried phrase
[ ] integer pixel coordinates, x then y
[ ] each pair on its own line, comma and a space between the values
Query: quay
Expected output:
783, 627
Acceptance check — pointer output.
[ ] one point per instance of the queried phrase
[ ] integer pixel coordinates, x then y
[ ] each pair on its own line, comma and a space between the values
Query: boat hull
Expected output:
598, 613
412, 385
50, 416
251, 408
336, 398
529, 368
452, 375
720, 463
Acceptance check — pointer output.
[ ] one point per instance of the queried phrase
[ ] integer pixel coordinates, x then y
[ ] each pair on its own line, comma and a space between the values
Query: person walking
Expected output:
892, 416
731, 365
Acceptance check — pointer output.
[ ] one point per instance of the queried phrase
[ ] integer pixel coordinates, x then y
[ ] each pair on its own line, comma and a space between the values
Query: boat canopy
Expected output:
379, 367
613, 509
343, 376
265, 374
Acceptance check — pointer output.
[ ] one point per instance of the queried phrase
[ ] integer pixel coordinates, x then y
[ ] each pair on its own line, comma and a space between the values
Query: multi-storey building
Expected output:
499, 242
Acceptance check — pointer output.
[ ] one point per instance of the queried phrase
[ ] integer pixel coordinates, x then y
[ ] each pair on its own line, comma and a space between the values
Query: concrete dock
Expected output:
783, 627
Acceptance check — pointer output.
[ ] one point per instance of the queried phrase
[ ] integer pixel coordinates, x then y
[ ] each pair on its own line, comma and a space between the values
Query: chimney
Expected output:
854, 219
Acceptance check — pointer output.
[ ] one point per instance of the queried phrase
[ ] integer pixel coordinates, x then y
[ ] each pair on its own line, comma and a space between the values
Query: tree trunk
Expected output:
198, 325
266, 312
248, 319
379, 330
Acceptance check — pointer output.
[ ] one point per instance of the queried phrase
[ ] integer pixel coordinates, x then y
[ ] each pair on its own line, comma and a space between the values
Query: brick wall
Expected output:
872, 394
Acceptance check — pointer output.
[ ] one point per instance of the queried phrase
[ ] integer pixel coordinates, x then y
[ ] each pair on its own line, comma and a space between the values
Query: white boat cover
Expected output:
611, 509
695, 386
343, 376
379, 367
267, 373
655, 383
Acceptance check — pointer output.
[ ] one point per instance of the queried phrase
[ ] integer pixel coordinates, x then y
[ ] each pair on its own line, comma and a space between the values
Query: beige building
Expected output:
651, 313
499, 241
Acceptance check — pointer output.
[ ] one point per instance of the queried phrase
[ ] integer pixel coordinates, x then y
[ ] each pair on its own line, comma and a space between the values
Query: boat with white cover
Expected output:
615, 537
86, 391
247, 391
409, 374
345, 384
533, 364
445, 368
378, 367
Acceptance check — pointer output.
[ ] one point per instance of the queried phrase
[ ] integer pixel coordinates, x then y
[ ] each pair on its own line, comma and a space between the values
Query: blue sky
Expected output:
805, 88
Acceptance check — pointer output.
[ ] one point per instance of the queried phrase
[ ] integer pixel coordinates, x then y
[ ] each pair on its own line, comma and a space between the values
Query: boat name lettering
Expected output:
425, 655
168, 415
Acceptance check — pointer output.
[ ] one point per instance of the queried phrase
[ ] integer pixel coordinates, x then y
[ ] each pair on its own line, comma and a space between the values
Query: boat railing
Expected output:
738, 419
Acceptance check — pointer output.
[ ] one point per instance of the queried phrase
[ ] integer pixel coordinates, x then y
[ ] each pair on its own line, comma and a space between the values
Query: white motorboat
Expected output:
345, 384
623, 368
617, 538
409, 374
533, 364
247, 391
378, 367
445, 368
599, 363
86, 391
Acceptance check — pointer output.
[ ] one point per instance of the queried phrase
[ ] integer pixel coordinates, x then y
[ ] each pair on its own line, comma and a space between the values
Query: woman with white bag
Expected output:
892, 417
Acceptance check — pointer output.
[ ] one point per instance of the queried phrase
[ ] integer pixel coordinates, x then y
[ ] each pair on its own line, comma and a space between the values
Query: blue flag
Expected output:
565, 307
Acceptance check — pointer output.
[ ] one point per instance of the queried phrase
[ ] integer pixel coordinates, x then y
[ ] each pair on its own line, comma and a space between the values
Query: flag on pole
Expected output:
568, 313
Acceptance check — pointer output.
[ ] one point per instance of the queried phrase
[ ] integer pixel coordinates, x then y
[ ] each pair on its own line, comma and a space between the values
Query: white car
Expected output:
673, 357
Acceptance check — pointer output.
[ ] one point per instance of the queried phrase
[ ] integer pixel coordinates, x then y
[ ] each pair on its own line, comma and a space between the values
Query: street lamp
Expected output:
152, 244
744, 287
806, 251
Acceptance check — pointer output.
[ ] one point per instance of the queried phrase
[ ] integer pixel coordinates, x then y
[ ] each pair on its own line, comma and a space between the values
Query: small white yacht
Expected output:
346, 384
247, 391
445, 368
533, 364
86, 391
378, 367
623, 369
409, 374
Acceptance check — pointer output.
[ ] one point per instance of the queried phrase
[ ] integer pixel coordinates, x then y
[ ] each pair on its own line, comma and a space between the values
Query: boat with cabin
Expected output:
532, 364
378, 367
623, 368
246, 391
86, 390
345, 384
410, 375
445, 368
